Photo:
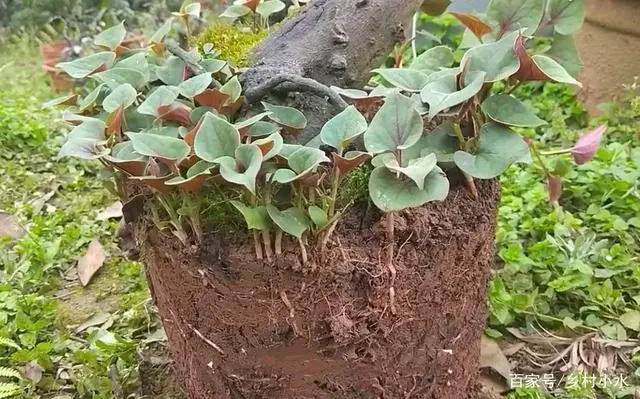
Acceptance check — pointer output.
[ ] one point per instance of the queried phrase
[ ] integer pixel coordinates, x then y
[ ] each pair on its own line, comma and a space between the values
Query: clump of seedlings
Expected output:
178, 122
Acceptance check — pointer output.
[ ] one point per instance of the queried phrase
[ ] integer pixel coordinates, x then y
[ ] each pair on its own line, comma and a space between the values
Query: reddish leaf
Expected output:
158, 48
194, 185
114, 122
191, 134
121, 50
528, 69
473, 23
252, 4
186, 73
132, 168
99, 68
91, 262
345, 165
312, 179
586, 147
157, 183
554, 183
266, 147
211, 98
176, 112
153, 168
231, 109
190, 161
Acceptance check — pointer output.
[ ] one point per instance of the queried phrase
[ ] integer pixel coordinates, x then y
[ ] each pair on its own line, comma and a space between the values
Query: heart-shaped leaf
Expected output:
162, 96
353, 94
498, 148
243, 170
441, 142
302, 161
498, 60
286, 116
318, 216
115, 77
172, 72
196, 176
566, 16
270, 146
564, 51
342, 128
396, 126
406, 79
154, 145
125, 158
90, 100
292, 221
262, 128
390, 193
257, 218
268, 7
232, 89
216, 138
177, 112
443, 94
212, 98
83, 148
88, 129
350, 160
159, 35
246, 123
192, 9
553, 70
433, 60
121, 97
167, 131
235, 11
71, 99
475, 25
195, 85
513, 15
83, 67
213, 65
508, 110
417, 170
111, 38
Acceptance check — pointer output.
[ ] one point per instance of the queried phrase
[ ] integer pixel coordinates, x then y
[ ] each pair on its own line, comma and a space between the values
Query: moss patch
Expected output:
230, 42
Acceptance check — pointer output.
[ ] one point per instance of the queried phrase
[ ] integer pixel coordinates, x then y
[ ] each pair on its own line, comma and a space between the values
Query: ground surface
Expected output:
574, 272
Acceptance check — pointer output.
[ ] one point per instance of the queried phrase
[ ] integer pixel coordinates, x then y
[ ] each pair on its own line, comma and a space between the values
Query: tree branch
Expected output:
288, 82
174, 48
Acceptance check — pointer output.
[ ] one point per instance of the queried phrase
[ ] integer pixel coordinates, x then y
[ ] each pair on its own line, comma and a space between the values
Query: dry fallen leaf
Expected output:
491, 356
39, 203
95, 320
33, 372
91, 262
9, 227
112, 212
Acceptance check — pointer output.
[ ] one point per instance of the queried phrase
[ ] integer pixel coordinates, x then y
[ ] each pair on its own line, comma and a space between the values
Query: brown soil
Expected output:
239, 328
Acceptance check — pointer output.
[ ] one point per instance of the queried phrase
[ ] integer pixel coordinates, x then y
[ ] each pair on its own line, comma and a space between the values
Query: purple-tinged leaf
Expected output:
554, 183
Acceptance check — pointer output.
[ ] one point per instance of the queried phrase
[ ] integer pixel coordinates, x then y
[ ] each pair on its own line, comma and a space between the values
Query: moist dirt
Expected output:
242, 328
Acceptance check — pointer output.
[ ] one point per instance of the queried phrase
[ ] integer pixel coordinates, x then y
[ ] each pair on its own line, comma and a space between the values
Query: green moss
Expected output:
230, 42
356, 185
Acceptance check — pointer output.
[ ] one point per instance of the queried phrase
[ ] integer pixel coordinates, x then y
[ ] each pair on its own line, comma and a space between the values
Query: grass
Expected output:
573, 270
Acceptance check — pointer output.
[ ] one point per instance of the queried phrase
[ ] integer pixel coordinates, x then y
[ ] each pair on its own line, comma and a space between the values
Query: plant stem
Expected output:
459, 135
303, 250
390, 230
556, 152
266, 238
536, 153
278, 242
335, 183
175, 220
257, 245
471, 185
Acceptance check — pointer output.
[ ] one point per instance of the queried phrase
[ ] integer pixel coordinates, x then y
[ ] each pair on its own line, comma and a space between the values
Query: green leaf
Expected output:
441, 141
162, 32
286, 116
403, 78
90, 100
154, 145
566, 16
124, 152
396, 126
508, 110
252, 120
318, 216
200, 168
243, 170
342, 128
513, 15
192, 9
391, 194
167, 131
233, 89
122, 97
498, 148
275, 141
88, 129
302, 161
417, 170
172, 72
64, 100
554, 70
83, 67
82, 148
162, 96
115, 77
195, 85
631, 320
292, 221
257, 218
433, 59
262, 128
212, 65
268, 7
216, 138
444, 94
353, 94
564, 51
498, 60
235, 11
111, 38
